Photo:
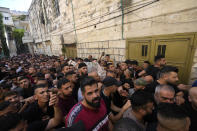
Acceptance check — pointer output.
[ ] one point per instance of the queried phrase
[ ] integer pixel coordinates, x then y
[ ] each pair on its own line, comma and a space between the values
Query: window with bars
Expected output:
144, 50
161, 50
6, 18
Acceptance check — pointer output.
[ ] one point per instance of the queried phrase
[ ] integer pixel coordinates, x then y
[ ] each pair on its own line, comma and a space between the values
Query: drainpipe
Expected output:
74, 21
122, 9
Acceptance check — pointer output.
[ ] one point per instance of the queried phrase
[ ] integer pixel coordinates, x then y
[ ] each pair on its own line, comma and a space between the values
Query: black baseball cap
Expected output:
110, 81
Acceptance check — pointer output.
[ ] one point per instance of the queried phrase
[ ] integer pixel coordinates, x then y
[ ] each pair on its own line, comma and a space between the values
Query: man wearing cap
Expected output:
110, 86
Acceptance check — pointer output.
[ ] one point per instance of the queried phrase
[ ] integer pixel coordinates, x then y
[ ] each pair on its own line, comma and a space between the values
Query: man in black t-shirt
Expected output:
39, 110
110, 87
167, 76
153, 70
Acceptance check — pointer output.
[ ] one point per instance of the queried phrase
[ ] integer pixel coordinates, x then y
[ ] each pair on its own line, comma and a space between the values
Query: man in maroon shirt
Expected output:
91, 110
66, 100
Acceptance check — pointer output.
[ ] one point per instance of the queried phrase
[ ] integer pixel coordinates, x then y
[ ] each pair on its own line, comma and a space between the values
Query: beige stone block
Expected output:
105, 44
117, 58
117, 44
110, 51
122, 52
100, 45
116, 51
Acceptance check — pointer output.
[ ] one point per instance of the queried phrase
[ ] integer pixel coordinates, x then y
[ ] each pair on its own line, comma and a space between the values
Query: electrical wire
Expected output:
115, 11
112, 17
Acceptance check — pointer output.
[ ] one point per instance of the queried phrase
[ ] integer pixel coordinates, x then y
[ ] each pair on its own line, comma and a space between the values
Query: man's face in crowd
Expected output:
111, 67
172, 78
148, 108
193, 97
107, 58
110, 74
114, 88
163, 62
83, 70
92, 95
42, 95
123, 66
165, 96
14, 81
134, 66
66, 69
45, 71
12, 98
71, 68
31, 70
74, 78
24, 83
89, 57
123, 91
57, 64
139, 87
145, 65
66, 89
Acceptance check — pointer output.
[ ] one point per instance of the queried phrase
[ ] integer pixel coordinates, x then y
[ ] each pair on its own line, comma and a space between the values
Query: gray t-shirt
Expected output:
128, 114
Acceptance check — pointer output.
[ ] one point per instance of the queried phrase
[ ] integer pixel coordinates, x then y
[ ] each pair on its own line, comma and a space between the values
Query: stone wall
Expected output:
116, 49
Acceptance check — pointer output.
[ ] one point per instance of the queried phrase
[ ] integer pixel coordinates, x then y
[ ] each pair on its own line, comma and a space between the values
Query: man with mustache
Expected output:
91, 110
66, 100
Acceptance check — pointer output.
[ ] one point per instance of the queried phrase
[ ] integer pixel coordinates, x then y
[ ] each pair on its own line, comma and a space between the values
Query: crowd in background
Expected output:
39, 92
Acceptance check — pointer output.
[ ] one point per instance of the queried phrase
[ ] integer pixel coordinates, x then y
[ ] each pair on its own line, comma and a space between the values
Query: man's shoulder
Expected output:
73, 114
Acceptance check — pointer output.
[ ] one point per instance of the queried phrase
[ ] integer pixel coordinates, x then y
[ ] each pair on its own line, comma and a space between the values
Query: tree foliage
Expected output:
2, 38
17, 35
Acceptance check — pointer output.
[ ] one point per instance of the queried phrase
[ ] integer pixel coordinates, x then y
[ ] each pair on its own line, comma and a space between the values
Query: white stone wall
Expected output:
116, 49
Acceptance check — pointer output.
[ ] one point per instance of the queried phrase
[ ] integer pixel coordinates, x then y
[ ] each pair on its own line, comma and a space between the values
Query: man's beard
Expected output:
95, 105
84, 74
172, 84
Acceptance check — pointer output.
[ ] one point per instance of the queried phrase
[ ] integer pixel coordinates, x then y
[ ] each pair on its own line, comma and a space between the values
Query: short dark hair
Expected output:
69, 73
40, 86
158, 57
140, 98
62, 82
13, 119
134, 62
167, 69
128, 62
22, 78
171, 111
60, 76
147, 62
65, 64
87, 81
108, 64
9, 93
127, 124
107, 55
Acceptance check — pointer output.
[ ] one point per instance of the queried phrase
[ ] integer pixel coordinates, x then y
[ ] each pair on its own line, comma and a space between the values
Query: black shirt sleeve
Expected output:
38, 126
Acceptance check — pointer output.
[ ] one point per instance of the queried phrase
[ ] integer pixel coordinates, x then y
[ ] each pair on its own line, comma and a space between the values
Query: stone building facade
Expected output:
97, 26
8, 27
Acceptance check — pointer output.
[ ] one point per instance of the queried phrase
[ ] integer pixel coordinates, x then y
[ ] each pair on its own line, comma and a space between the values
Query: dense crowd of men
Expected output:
39, 92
